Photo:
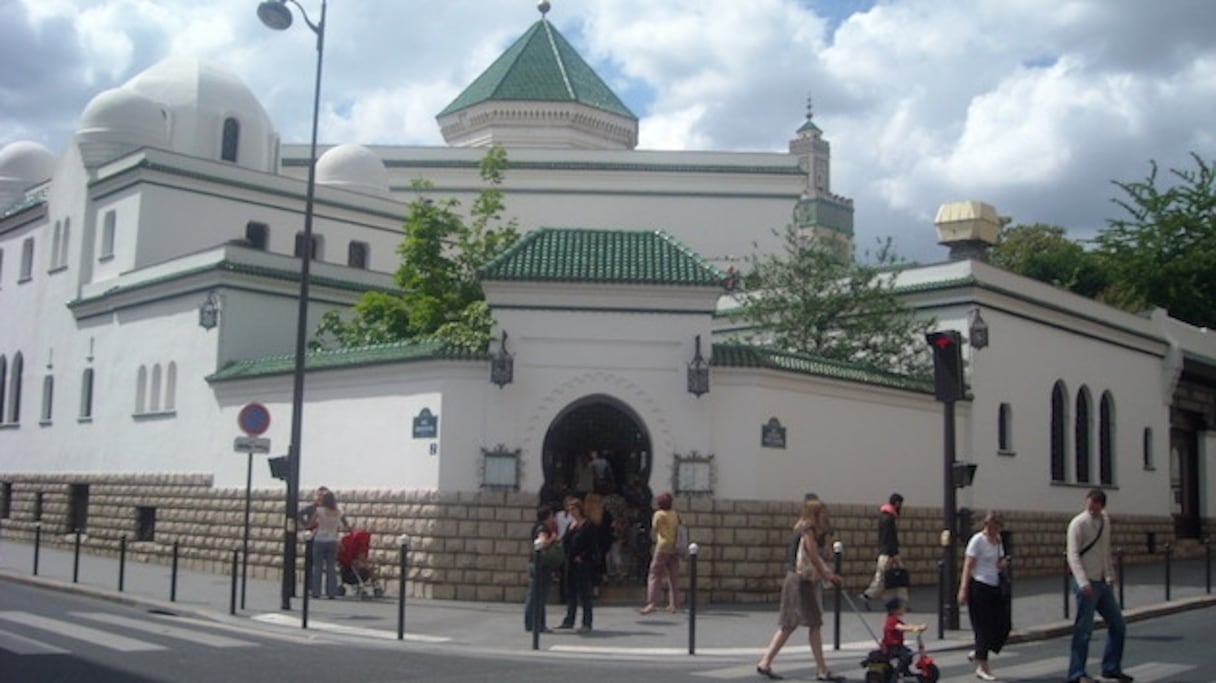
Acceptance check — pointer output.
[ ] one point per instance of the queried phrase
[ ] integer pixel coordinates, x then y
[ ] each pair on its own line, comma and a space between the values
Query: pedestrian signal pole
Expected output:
948, 387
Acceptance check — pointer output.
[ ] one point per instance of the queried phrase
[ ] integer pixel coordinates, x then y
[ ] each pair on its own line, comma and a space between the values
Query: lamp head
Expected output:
275, 14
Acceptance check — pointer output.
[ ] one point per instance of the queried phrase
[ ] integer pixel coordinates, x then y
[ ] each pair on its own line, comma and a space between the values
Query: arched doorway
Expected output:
599, 445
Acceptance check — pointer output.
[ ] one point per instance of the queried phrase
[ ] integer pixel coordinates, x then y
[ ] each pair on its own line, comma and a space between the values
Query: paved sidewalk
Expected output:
731, 631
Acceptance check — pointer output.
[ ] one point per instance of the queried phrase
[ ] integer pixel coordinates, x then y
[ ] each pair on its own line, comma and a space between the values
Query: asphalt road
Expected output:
53, 636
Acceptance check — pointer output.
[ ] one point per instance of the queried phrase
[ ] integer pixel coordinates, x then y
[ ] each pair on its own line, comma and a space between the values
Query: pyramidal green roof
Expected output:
540, 66
618, 256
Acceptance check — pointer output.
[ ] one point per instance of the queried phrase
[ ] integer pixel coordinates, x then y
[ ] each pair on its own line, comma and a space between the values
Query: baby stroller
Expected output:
355, 567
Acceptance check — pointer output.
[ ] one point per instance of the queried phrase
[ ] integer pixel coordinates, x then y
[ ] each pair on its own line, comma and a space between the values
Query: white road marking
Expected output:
158, 628
342, 629
97, 637
20, 645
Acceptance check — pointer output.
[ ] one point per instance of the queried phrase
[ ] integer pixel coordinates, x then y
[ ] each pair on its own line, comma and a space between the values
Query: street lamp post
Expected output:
276, 15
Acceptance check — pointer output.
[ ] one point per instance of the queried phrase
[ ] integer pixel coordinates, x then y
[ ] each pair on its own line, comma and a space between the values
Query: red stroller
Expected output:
355, 567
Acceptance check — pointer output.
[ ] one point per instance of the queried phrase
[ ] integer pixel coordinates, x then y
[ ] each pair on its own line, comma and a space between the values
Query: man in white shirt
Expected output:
1093, 575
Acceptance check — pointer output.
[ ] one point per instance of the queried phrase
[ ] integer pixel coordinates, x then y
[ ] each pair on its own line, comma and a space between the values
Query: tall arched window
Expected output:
232, 137
63, 244
14, 389
1106, 439
86, 394
48, 397
141, 390
154, 390
3, 385
1004, 427
1081, 435
56, 238
1148, 449
1059, 422
171, 386
109, 227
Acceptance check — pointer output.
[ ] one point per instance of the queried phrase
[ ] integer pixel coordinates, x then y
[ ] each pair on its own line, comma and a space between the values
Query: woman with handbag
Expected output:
665, 563
800, 605
551, 556
980, 590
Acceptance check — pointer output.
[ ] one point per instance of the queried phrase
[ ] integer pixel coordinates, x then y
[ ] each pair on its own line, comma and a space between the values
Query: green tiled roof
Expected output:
619, 256
746, 356
809, 125
25, 202
350, 357
540, 66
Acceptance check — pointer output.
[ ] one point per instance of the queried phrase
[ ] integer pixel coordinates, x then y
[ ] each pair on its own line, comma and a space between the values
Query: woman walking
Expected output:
800, 591
665, 563
326, 520
980, 590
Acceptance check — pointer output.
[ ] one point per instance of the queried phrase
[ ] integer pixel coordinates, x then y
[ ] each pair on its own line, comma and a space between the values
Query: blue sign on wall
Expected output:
426, 425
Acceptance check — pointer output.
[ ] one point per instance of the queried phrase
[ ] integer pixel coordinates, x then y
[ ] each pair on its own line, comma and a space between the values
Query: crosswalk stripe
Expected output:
1158, 671
97, 637
20, 645
342, 629
162, 629
1031, 670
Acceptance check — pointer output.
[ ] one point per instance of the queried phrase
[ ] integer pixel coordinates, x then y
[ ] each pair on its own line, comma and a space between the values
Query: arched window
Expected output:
356, 255
63, 244
86, 394
171, 386
141, 390
257, 234
1059, 422
14, 389
1004, 427
56, 238
48, 397
1081, 435
232, 137
1148, 449
110, 225
154, 390
1106, 439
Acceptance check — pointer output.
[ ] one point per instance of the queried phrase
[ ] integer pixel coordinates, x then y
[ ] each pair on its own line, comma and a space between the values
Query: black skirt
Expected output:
990, 617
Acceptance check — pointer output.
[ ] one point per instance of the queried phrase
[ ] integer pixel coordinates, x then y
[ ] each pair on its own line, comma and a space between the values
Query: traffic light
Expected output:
280, 467
947, 346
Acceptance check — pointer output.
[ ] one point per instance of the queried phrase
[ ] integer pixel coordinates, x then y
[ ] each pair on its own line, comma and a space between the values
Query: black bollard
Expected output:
404, 565
538, 606
1067, 582
173, 575
76, 559
37, 544
693, 549
122, 561
1207, 561
1119, 571
232, 596
1168, 573
838, 552
308, 568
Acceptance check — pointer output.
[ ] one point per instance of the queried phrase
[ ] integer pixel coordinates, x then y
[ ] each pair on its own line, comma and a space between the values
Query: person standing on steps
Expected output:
888, 550
1093, 574
580, 543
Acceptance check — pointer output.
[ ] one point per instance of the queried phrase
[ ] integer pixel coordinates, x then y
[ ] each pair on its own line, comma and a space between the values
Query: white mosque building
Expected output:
149, 276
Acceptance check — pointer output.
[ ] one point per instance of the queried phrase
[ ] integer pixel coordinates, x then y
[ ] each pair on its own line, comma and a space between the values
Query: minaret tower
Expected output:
819, 214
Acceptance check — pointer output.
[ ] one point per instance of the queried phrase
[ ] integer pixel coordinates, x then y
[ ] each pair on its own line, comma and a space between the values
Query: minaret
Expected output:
819, 214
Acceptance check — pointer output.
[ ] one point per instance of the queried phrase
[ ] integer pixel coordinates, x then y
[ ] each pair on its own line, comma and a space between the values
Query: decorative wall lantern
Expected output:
978, 330
209, 311
502, 364
698, 372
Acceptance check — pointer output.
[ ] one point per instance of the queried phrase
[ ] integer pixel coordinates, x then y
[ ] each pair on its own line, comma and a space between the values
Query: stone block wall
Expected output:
475, 546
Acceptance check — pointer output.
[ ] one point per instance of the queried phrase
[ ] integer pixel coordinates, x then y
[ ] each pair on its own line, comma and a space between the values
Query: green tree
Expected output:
1045, 253
441, 253
1164, 253
806, 298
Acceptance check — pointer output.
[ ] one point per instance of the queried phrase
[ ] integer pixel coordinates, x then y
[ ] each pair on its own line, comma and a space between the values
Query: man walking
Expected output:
1093, 575
888, 549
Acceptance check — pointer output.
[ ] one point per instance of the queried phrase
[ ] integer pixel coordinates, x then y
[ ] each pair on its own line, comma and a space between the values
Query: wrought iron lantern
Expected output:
978, 330
502, 364
209, 311
698, 372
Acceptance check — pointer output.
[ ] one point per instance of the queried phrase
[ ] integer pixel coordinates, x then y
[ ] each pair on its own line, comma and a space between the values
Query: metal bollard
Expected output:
1067, 585
308, 569
1207, 560
538, 606
122, 561
838, 552
38, 543
76, 559
1168, 572
404, 541
693, 549
1119, 571
232, 596
173, 575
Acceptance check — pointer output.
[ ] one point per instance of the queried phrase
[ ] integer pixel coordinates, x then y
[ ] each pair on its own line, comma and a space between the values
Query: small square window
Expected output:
258, 235
356, 255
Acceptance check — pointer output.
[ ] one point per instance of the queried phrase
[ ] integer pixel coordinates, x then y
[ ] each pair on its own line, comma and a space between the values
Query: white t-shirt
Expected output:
986, 554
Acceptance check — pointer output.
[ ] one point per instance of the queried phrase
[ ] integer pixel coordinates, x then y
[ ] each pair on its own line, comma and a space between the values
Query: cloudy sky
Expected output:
1031, 105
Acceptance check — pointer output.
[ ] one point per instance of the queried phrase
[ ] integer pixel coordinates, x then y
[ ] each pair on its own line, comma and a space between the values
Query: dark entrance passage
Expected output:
598, 448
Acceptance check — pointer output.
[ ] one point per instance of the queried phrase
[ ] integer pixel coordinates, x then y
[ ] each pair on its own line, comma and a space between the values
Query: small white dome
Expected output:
353, 167
118, 121
26, 163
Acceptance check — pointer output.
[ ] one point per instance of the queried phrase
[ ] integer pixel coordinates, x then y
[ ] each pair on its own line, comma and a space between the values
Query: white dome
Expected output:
201, 98
353, 167
118, 121
26, 163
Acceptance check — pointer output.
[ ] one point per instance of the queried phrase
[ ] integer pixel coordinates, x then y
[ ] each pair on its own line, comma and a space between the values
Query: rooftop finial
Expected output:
809, 107
543, 6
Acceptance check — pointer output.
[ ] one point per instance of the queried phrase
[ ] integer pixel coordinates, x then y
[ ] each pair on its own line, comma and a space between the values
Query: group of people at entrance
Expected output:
984, 588
572, 546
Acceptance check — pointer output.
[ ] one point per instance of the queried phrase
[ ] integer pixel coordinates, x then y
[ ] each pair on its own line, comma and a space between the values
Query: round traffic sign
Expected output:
254, 419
